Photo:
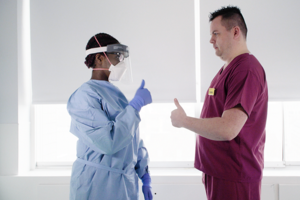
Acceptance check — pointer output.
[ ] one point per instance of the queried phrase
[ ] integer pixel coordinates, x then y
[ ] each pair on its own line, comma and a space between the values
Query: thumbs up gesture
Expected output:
142, 97
178, 115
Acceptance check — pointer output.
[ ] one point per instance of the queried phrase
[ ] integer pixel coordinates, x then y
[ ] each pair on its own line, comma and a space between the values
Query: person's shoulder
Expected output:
249, 66
255, 66
83, 95
88, 88
93, 86
99, 88
248, 62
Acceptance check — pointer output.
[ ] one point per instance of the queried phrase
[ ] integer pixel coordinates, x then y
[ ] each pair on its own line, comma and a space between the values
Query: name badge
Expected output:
211, 91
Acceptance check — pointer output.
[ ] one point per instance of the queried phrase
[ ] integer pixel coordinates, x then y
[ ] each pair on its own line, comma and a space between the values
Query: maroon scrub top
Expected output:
243, 82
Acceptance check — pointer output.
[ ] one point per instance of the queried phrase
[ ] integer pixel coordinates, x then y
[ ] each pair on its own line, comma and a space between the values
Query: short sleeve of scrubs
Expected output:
242, 89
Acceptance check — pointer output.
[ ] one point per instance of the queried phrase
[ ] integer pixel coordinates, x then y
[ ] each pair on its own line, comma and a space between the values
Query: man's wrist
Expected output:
185, 121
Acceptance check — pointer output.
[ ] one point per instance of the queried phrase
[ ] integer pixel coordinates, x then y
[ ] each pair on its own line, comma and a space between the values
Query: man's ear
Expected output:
236, 32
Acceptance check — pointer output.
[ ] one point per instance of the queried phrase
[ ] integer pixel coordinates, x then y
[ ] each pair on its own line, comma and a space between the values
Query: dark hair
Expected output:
231, 17
104, 40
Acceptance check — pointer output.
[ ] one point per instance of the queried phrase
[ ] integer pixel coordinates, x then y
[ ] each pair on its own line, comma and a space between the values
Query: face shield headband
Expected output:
112, 48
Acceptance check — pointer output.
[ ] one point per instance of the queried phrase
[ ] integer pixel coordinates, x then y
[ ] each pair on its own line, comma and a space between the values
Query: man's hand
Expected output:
178, 116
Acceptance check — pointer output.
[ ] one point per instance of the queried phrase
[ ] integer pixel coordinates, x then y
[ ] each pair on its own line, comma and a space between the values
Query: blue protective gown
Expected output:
110, 154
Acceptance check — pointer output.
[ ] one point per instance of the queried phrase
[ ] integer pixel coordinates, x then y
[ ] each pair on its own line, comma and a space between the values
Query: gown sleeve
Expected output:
141, 167
91, 124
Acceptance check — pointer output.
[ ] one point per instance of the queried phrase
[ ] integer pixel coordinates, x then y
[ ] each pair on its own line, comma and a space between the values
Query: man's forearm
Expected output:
211, 128
223, 128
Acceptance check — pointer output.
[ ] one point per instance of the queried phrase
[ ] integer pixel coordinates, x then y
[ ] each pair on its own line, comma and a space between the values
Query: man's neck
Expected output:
233, 56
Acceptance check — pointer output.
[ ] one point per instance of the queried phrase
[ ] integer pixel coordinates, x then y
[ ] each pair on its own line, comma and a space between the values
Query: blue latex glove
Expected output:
146, 179
142, 97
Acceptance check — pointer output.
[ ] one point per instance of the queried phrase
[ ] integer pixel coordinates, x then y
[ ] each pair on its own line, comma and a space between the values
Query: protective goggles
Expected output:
122, 70
122, 51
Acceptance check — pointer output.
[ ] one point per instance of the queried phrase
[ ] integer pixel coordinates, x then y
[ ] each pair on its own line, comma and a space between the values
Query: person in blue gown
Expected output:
111, 156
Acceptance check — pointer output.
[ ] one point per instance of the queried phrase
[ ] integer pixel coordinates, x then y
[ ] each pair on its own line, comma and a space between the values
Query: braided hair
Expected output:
104, 39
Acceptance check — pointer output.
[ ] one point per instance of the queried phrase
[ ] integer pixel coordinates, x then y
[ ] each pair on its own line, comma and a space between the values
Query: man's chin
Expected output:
218, 54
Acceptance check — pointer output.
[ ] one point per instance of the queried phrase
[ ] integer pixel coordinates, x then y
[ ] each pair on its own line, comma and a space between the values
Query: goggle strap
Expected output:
103, 52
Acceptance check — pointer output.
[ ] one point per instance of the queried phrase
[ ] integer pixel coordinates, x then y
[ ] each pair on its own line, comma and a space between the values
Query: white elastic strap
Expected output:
95, 50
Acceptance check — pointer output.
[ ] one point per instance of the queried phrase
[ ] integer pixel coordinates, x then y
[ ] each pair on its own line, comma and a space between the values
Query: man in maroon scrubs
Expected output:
231, 129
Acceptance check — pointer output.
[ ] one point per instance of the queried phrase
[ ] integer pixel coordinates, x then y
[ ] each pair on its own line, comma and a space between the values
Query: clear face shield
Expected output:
121, 72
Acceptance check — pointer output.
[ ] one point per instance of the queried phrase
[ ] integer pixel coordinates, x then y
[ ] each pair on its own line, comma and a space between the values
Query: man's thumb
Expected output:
177, 103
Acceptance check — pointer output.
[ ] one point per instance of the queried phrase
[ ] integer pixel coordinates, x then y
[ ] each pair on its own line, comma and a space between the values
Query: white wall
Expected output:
8, 88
